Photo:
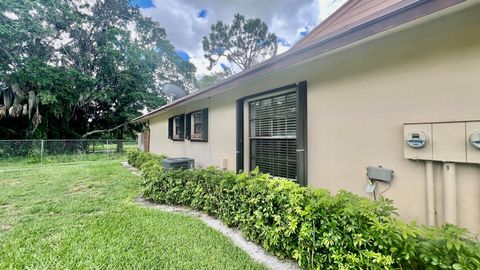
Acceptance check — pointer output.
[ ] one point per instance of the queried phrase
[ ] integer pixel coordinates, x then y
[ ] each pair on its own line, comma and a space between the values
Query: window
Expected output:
176, 128
278, 141
273, 130
197, 126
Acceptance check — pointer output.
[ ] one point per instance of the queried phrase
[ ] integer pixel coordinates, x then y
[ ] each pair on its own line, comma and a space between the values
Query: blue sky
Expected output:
183, 54
142, 3
203, 13
187, 21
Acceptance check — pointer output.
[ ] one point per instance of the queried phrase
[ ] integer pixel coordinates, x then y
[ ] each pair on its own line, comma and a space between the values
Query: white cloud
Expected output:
185, 29
327, 7
201, 63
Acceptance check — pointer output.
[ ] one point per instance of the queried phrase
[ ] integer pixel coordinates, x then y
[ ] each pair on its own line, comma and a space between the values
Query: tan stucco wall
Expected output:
358, 99
159, 142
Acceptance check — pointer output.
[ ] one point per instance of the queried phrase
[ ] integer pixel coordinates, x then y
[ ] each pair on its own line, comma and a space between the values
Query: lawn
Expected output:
83, 216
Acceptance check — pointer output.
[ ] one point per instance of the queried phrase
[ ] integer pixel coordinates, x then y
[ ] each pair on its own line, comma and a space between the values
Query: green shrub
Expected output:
317, 229
446, 247
137, 158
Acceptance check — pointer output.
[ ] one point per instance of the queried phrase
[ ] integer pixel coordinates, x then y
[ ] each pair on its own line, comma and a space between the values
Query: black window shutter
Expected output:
302, 163
170, 128
205, 125
182, 124
239, 135
188, 126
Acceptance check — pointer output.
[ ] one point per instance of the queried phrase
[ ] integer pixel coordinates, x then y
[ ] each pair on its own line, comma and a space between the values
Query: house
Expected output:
391, 83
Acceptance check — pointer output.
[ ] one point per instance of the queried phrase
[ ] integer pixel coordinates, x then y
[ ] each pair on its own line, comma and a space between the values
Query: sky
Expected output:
188, 21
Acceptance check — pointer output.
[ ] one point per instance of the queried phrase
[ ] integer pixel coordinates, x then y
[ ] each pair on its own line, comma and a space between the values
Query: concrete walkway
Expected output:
255, 251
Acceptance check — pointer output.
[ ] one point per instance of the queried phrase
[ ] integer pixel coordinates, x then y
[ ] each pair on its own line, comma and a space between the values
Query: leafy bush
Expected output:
136, 158
312, 226
447, 247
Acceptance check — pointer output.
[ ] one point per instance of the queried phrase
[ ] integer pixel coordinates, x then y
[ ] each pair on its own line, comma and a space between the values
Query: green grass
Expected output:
19, 162
84, 216
100, 152
102, 146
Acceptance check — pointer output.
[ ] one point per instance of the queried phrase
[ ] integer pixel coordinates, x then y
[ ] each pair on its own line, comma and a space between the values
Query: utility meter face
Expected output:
417, 139
475, 139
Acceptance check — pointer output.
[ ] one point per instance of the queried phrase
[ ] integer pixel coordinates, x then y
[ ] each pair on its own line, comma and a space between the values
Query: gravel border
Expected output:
255, 251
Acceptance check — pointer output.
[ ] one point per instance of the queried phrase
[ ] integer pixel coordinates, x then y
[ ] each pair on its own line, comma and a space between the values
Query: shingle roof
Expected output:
350, 15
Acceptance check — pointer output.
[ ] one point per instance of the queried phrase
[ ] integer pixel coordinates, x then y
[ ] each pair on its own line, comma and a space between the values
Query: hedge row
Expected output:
312, 226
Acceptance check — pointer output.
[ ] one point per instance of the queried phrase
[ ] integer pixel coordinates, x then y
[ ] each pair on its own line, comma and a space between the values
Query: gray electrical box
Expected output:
379, 174
178, 163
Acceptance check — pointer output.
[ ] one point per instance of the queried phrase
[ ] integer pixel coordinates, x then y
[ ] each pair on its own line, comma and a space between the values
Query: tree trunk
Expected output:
119, 146
120, 141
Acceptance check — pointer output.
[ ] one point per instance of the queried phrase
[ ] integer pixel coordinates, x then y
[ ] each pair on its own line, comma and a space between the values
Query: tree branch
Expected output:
104, 130
15, 63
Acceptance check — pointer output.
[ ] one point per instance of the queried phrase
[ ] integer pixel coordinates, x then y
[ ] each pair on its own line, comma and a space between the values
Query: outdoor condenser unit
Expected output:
178, 163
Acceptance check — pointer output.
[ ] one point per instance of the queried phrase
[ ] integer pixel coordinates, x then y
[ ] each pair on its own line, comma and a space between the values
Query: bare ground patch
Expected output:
82, 187
6, 210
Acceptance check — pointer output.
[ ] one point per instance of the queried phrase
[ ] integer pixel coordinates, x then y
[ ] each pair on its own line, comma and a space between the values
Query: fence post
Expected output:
107, 147
41, 153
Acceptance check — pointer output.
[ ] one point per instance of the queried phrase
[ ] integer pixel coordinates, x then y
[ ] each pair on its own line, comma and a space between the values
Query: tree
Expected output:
30, 32
206, 81
209, 80
243, 44
73, 68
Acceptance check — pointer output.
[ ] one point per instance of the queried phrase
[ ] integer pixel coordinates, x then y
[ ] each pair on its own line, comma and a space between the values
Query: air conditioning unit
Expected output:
178, 163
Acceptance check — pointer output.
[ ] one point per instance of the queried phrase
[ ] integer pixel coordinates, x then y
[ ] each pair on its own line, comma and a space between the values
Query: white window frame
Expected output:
176, 135
193, 134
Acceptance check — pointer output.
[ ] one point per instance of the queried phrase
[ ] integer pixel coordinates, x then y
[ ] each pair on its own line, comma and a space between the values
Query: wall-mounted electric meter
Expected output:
417, 139
475, 139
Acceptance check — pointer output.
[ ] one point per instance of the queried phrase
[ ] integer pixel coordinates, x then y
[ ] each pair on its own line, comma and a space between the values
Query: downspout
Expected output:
430, 190
149, 137
449, 193
184, 131
208, 129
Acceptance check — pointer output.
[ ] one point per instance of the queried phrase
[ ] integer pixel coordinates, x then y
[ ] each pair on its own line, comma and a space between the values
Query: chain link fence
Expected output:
43, 150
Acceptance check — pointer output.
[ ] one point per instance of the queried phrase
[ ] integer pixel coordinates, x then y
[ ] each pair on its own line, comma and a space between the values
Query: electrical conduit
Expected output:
449, 193
430, 193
